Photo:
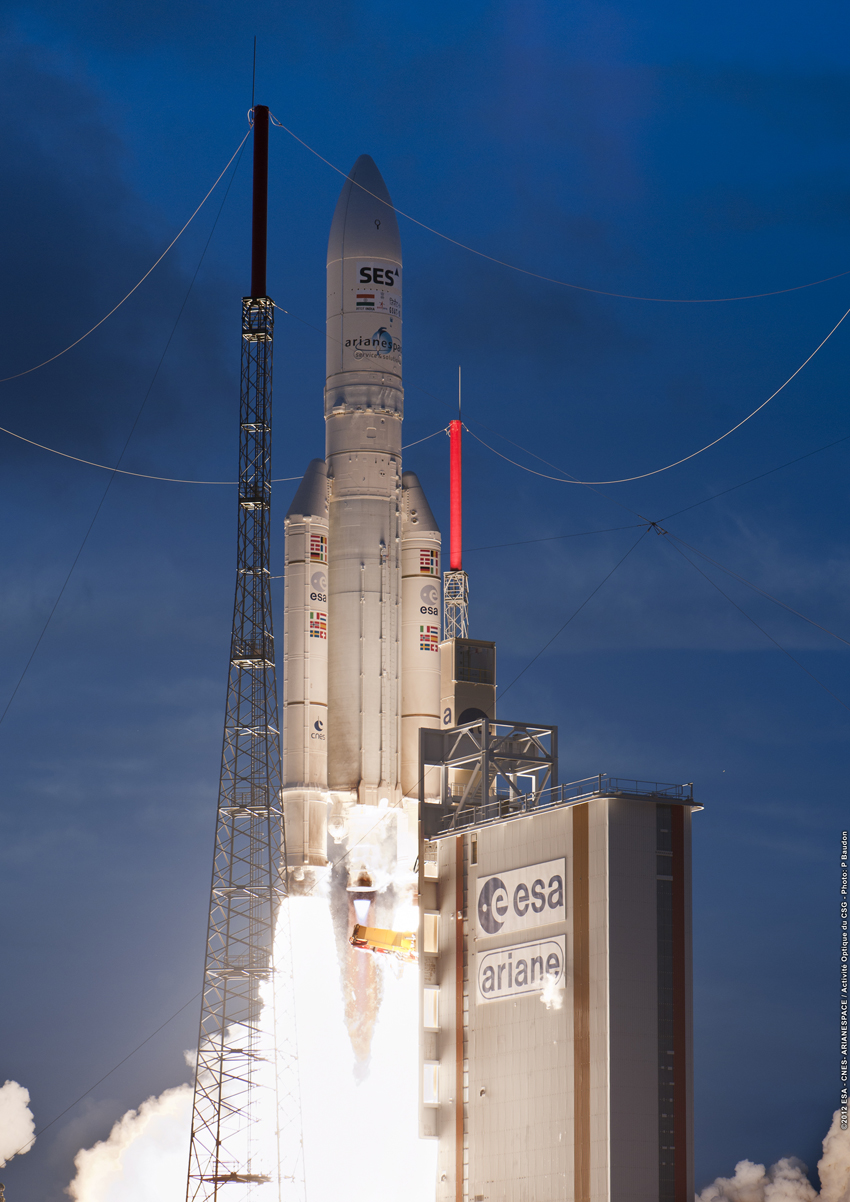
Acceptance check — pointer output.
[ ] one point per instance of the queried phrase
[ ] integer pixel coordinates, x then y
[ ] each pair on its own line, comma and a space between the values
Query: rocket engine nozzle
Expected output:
362, 883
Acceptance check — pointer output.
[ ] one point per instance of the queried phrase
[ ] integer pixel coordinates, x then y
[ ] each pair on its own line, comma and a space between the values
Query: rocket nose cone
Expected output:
311, 497
364, 223
416, 513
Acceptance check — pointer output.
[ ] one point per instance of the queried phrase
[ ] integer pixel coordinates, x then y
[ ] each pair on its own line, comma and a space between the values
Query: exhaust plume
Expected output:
786, 1181
16, 1122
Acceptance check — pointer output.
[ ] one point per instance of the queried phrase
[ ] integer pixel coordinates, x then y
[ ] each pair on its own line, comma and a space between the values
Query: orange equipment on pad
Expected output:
401, 944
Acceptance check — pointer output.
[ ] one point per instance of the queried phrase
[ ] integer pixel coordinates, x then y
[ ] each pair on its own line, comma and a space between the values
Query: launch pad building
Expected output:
556, 1041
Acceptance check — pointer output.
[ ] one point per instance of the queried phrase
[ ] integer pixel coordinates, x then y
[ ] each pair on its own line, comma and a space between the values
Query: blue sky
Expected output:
644, 148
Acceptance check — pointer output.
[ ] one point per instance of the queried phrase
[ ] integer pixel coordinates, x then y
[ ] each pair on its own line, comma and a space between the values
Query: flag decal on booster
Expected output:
429, 562
429, 638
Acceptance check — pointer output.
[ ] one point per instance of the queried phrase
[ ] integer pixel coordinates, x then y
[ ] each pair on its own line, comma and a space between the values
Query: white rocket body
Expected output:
421, 595
305, 671
363, 415
362, 672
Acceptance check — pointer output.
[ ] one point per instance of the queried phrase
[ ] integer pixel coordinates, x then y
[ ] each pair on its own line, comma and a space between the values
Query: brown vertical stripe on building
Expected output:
680, 1044
581, 1003
459, 1018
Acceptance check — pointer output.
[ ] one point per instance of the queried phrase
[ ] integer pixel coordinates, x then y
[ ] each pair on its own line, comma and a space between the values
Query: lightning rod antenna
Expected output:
254, 73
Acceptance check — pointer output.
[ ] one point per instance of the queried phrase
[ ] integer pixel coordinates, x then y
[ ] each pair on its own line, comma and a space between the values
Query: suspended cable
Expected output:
138, 1047
756, 588
58, 354
752, 479
441, 400
659, 300
167, 479
575, 613
523, 542
114, 471
442, 430
755, 623
568, 478
693, 455
120, 471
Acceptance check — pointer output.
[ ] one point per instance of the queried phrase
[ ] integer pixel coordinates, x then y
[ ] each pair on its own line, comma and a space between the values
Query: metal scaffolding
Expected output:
455, 605
242, 1103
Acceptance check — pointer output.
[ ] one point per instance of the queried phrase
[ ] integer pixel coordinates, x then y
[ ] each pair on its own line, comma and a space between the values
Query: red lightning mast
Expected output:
455, 582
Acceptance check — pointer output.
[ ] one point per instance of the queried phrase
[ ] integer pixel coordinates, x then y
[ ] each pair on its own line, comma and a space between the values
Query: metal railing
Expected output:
502, 807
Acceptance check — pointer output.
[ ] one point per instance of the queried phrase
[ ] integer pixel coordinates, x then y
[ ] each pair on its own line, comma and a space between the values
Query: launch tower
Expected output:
237, 1054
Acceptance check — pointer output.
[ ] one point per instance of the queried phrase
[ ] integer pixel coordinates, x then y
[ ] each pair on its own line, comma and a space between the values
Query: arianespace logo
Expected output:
379, 345
523, 968
522, 899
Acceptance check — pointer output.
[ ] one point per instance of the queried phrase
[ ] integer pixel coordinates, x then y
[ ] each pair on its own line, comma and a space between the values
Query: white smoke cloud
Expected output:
552, 994
144, 1157
786, 1180
16, 1121
834, 1165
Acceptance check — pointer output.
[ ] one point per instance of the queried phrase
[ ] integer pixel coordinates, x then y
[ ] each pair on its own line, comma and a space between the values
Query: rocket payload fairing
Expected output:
361, 643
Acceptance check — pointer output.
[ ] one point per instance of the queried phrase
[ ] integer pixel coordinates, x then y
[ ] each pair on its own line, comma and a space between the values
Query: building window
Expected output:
473, 850
431, 933
431, 1008
430, 868
475, 663
431, 1083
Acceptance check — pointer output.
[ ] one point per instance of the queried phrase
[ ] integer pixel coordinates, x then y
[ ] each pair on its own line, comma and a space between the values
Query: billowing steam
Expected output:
786, 1180
360, 1129
144, 1157
16, 1122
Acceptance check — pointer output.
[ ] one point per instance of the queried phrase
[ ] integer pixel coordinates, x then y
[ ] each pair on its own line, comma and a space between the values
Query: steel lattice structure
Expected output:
455, 605
247, 884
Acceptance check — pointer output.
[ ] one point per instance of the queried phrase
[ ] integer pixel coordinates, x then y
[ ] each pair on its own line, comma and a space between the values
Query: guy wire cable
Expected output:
575, 613
756, 589
659, 300
117, 469
168, 479
71, 345
757, 626
657, 471
761, 476
115, 1067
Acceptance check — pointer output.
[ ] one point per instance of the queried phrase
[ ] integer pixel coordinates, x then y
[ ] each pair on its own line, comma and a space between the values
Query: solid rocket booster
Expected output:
363, 416
305, 671
420, 632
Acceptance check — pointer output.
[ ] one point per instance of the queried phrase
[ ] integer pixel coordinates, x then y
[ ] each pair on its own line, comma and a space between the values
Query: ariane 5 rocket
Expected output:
363, 592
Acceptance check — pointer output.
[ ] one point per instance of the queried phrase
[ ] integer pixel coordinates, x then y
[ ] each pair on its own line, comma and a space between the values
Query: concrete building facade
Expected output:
556, 994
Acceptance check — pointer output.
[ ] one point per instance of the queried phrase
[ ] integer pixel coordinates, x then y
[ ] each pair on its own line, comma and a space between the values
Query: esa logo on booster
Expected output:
319, 586
430, 598
522, 899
